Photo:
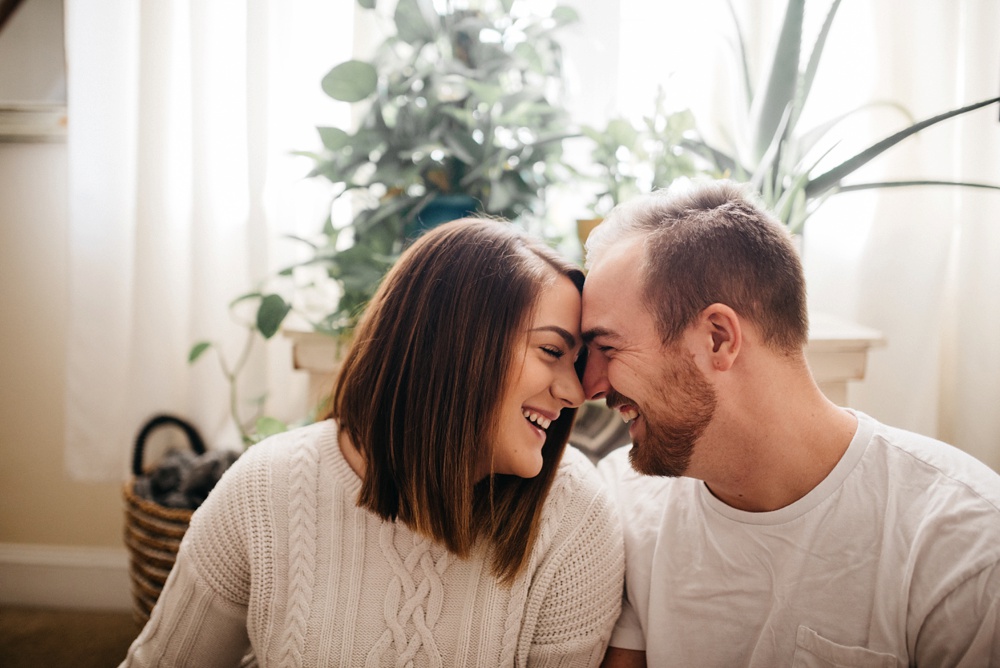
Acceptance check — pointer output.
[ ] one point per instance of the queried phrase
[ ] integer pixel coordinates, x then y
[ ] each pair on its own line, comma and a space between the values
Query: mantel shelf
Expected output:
837, 354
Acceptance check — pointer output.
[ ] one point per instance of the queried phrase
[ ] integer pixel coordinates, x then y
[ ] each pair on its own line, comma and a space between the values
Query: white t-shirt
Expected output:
892, 560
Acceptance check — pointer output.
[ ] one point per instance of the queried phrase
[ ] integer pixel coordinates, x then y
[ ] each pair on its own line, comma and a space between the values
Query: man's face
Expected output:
657, 389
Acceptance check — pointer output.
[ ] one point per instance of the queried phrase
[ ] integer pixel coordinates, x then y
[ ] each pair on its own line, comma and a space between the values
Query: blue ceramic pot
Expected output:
444, 208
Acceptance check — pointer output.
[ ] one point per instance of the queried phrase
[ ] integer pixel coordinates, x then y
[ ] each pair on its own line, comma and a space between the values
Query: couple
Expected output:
437, 518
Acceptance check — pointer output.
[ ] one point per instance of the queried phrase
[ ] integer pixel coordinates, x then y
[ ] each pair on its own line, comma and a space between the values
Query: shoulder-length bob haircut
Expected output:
419, 391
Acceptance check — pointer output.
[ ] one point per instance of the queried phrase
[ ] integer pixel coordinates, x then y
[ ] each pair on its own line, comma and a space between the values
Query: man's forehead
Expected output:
613, 285
619, 264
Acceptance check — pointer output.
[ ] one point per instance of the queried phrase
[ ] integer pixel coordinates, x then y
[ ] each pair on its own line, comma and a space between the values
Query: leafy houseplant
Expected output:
772, 153
632, 158
459, 114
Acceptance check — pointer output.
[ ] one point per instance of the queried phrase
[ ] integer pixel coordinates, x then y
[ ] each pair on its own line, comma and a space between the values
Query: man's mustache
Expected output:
614, 399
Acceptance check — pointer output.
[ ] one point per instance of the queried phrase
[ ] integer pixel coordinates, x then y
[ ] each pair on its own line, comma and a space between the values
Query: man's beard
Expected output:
672, 427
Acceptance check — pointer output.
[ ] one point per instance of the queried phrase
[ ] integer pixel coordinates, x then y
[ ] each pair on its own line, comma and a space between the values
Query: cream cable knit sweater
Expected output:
280, 560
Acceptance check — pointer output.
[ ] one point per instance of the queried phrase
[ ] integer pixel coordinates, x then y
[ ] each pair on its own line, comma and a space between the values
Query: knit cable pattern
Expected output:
303, 476
551, 518
415, 594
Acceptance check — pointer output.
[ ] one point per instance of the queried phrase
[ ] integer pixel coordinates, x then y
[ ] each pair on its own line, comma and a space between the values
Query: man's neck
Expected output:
771, 454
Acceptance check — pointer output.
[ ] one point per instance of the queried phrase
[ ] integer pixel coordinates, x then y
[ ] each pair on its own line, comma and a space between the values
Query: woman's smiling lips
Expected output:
538, 419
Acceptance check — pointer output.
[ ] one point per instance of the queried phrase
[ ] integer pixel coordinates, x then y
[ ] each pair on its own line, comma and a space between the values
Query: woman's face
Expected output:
543, 381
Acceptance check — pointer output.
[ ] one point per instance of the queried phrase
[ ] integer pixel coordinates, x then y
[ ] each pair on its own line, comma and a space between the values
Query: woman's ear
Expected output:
721, 326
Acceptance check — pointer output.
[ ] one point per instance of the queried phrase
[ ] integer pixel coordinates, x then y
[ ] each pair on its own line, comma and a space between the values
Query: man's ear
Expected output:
720, 324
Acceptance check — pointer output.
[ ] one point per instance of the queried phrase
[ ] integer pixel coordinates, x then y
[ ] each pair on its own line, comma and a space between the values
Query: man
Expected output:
765, 526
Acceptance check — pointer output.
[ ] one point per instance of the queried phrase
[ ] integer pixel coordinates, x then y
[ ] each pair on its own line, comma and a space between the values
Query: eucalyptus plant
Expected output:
778, 158
459, 107
632, 157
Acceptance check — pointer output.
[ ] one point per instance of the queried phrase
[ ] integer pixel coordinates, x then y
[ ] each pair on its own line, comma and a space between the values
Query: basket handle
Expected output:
157, 421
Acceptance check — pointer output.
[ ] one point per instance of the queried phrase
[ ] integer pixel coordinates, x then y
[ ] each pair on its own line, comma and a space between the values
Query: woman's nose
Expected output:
568, 389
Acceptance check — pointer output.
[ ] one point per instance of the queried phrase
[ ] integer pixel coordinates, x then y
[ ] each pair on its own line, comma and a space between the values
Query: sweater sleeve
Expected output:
583, 596
200, 618
191, 625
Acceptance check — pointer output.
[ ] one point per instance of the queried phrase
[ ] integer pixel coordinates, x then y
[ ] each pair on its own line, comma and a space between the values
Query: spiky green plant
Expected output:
775, 156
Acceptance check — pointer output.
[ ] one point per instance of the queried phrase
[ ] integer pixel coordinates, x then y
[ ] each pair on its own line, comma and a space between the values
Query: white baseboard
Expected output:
50, 576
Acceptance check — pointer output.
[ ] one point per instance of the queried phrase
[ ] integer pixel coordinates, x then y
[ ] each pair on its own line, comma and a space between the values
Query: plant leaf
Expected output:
270, 314
197, 350
807, 140
243, 298
744, 63
333, 138
770, 159
805, 84
922, 182
414, 21
565, 15
782, 81
832, 178
351, 81
268, 426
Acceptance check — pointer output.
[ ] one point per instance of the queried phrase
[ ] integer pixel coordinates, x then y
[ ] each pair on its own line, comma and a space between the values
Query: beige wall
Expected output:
39, 503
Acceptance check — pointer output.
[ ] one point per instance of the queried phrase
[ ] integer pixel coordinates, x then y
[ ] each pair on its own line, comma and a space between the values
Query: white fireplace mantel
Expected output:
837, 354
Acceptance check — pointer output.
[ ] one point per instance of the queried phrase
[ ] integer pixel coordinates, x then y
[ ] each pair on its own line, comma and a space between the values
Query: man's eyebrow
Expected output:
594, 332
567, 337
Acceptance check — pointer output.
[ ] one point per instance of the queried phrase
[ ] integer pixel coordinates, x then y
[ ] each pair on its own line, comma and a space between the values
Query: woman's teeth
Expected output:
540, 420
628, 414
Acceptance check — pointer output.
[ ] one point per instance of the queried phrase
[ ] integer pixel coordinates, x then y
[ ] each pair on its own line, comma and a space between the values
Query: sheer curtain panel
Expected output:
183, 115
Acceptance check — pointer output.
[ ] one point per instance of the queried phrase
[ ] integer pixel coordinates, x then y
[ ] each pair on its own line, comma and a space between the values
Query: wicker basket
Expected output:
153, 532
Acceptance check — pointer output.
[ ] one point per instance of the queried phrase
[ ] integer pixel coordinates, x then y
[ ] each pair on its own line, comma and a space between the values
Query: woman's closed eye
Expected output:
553, 352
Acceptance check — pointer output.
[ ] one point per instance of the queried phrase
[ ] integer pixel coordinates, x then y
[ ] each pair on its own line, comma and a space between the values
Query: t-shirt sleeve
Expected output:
963, 630
628, 631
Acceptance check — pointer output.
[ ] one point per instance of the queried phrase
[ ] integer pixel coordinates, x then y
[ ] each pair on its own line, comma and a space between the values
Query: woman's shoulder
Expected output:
307, 441
578, 493
578, 473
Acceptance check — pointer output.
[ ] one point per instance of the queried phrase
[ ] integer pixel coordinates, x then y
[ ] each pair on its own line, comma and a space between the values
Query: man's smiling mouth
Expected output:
628, 413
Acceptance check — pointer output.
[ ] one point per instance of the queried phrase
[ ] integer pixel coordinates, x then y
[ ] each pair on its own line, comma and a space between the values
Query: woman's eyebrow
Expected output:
567, 337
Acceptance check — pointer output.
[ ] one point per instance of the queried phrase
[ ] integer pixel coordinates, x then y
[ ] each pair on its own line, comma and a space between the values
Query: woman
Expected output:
433, 518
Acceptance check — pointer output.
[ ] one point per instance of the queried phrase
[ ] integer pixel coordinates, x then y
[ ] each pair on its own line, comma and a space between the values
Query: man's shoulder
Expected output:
935, 467
639, 497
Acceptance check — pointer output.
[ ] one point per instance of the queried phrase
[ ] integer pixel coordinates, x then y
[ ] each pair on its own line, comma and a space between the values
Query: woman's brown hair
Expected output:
419, 390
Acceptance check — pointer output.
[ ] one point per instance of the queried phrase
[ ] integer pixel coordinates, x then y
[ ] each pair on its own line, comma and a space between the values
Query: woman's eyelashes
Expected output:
551, 351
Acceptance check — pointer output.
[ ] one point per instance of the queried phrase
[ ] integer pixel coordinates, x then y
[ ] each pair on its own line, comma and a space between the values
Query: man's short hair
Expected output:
713, 243
419, 391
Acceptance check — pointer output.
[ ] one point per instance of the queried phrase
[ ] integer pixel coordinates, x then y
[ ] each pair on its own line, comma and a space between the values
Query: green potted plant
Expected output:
775, 155
460, 114
631, 157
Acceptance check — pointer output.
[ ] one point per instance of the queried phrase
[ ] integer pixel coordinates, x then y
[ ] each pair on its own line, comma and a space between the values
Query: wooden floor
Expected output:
35, 638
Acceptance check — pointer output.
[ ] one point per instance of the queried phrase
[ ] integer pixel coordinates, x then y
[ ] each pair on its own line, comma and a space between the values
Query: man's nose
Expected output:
595, 377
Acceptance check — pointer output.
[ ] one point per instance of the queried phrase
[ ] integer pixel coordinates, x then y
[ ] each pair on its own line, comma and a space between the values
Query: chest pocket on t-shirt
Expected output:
814, 651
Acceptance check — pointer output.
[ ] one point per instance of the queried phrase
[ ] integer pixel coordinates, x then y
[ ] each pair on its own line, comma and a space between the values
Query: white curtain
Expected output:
920, 264
183, 115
